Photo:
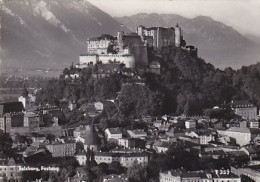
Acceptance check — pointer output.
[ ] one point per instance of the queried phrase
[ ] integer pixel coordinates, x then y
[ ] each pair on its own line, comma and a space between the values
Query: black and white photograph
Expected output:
129, 91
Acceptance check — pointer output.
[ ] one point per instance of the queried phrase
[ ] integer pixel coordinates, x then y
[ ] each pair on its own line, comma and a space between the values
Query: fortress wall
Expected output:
141, 55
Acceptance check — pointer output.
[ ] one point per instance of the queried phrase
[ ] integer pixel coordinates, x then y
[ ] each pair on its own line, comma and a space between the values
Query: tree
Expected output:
115, 167
137, 173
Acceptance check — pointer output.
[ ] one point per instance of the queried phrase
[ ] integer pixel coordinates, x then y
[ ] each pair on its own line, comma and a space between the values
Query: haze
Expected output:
242, 15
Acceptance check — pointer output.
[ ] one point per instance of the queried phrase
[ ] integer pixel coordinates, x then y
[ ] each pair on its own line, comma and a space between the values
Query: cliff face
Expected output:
50, 33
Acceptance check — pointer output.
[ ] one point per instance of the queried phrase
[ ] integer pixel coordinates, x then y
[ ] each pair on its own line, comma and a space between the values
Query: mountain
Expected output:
254, 38
49, 33
218, 44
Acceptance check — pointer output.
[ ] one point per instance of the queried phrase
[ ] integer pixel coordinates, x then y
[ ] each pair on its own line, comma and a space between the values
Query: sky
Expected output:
243, 15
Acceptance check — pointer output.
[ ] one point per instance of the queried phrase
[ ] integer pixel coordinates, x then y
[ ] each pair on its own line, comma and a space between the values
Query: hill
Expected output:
187, 84
218, 44
49, 33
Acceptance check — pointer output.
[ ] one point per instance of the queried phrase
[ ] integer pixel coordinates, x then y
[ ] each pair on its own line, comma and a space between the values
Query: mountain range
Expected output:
217, 43
49, 33
53, 33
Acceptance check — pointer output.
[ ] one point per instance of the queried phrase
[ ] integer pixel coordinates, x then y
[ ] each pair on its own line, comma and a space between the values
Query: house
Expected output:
80, 131
205, 136
241, 135
125, 159
35, 148
199, 176
126, 142
113, 134
81, 157
161, 147
9, 170
190, 124
9, 121
253, 124
244, 109
253, 174
32, 120
90, 138
99, 106
60, 149
115, 178
137, 134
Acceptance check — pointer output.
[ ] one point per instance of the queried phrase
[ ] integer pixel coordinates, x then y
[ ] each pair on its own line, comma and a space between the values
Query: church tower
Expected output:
178, 35
24, 98
120, 39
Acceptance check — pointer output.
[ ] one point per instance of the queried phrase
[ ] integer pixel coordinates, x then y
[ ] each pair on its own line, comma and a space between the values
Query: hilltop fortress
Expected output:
131, 49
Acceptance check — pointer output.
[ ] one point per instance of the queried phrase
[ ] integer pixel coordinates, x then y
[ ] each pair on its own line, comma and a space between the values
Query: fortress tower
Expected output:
178, 35
120, 39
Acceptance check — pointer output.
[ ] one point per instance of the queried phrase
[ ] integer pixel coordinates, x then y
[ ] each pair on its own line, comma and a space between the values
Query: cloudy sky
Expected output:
243, 15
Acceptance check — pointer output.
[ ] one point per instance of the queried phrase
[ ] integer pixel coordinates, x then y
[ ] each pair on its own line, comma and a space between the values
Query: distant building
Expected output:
161, 147
125, 159
190, 124
242, 135
89, 138
126, 142
244, 109
199, 176
113, 134
32, 120
9, 121
137, 134
204, 136
81, 157
115, 178
99, 106
9, 170
155, 67
254, 124
249, 172
59, 149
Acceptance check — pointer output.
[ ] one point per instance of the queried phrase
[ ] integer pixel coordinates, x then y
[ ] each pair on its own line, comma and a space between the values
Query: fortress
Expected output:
131, 49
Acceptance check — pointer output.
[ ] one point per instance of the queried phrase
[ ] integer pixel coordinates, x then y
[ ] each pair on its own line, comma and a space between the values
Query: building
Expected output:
190, 124
159, 37
161, 147
137, 134
125, 159
249, 172
241, 135
113, 134
254, 124
126, 142
115, 178
244, 109
199, 176
32, 120
81, 157
204, 136
11, 121
99, 106
60, 149
80, 131
89, 138
9, 170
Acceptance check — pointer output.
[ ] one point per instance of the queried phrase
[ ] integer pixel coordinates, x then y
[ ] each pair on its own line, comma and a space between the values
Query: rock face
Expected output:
218, 44
49, 33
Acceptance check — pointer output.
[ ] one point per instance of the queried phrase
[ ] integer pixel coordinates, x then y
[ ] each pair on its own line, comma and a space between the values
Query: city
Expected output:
137, 106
